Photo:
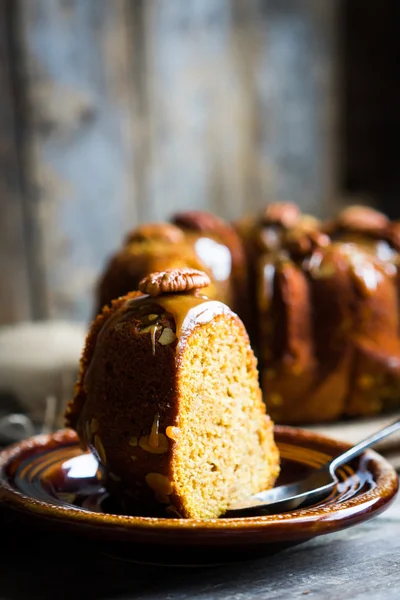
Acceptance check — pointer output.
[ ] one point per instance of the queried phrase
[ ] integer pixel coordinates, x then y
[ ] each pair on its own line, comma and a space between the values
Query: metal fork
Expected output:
309, 491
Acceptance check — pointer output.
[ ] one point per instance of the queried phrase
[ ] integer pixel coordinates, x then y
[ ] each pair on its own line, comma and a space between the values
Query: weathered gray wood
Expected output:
14, 288
79, 136
362, 562
138, 109
294, 79
195, 108
239, 104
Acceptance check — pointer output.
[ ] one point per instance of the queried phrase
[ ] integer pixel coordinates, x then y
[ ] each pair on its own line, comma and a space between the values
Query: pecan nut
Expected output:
285, 214
362, 219
305, 237
305, 243
173, 281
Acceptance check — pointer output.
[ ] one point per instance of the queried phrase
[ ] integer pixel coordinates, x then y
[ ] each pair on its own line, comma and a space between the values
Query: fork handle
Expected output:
363, 445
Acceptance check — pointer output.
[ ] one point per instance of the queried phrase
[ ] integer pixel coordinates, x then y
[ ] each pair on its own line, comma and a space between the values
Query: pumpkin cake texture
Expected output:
168, 400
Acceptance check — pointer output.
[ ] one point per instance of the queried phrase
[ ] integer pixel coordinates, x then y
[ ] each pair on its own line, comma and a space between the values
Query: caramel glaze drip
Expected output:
365, 268
153, 438
367, 271
153, 330
188, 311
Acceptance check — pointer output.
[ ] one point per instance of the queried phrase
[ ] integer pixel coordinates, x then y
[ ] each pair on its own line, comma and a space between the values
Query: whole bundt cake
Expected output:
168, 399
320, 301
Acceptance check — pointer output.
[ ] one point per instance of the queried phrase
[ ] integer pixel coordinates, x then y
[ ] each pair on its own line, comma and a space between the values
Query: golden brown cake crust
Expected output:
74, 407
161, 232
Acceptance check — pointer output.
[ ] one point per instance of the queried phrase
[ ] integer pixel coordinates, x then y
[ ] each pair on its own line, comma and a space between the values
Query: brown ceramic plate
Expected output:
48, 479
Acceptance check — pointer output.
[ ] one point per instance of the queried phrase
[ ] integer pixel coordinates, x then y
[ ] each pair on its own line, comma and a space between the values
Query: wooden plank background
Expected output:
15, 301
128, 111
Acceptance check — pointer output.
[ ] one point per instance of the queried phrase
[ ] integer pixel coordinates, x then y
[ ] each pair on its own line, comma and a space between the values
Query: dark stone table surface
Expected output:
360, 562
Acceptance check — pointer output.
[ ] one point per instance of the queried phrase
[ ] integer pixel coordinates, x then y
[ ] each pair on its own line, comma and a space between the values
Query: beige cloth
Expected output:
38, 365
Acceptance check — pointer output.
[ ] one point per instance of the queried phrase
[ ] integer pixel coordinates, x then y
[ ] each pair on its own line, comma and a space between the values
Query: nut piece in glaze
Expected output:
173, 281
159, 483
167, 337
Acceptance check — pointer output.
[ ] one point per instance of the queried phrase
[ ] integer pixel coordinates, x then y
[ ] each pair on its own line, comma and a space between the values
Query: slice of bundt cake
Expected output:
169, 401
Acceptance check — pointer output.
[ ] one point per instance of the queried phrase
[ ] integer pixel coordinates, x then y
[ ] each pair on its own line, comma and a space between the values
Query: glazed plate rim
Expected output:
299, 524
